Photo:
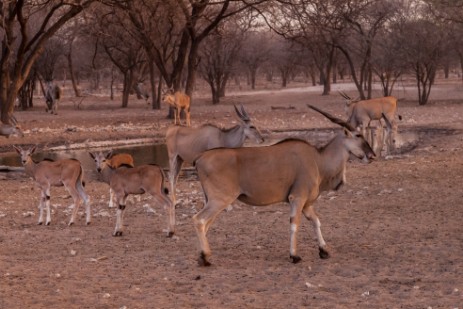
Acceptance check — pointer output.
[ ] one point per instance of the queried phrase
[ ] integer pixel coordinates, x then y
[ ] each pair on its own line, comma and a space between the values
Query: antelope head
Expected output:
355, 142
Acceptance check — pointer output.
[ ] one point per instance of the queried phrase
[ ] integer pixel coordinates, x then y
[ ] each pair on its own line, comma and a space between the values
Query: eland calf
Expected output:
47, 173
115, 161
127, 180
186, 144
291, 171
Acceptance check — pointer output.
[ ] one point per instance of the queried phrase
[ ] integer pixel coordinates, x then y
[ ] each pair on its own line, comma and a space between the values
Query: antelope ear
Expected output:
347, 133
18, 150
33, 149
92, 155
109, 154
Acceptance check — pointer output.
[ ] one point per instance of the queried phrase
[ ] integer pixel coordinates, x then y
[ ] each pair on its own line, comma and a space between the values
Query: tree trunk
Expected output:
71, 72
155, 103
128, 76
327, 81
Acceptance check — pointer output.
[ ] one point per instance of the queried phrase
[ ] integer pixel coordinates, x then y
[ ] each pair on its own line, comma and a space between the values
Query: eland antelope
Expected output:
362, 112
291, 171
186, 144
127, 180
178, 100
115, 161
52, 97
47, 173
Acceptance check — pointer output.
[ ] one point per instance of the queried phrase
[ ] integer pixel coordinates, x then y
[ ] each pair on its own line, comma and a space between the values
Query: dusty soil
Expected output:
395, 229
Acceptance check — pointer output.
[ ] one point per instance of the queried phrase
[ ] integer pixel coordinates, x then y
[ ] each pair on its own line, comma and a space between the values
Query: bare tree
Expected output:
385, 62
24, 29
316, 24
123, 51
422, 46
255, 52
286, 57
366, 19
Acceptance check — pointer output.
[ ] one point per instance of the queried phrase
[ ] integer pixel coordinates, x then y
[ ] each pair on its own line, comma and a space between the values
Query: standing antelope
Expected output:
115, 161
178, 101
52, 97
291, 171
361, 113
47, 173
13, 129
186, 144
137, 180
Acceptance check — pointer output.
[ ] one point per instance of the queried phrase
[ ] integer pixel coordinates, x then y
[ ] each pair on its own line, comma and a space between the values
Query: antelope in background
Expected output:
47, 173
115, 161
362, 112
137, 180
291, 171
178, 101
186, 144
52, 97
13, 129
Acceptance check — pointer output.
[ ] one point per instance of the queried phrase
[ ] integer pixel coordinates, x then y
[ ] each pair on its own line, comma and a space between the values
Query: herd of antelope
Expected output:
291, 171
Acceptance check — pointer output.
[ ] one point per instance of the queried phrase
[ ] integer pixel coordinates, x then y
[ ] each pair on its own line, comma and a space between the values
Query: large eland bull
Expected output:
291, 171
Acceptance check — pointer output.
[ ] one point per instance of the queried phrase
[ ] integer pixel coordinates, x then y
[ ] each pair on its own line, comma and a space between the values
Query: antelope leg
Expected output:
309, 213
296, 205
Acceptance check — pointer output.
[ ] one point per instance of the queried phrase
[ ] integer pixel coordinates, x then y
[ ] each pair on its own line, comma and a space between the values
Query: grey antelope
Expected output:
13, 129
115, 161
186, 144
52, 97
178, 101
362, 112
126, 180
291, 171
47, 173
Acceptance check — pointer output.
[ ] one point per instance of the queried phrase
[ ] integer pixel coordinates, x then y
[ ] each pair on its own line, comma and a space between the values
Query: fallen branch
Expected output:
282, 107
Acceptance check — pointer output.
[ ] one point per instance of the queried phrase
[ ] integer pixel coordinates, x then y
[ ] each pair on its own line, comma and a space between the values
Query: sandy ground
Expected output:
395, 229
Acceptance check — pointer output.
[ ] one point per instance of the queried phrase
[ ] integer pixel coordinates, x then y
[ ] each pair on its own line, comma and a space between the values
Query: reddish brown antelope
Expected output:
186, 144
290, 171
178, 101
13, 129
47, 173
362, 112
126, 180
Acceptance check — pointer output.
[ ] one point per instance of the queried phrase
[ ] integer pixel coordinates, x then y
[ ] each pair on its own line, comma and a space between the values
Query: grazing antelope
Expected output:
361, 113
115, 161
13, 129
178, 101
291, 171
126, 180
186, 144
52, 97
47, 173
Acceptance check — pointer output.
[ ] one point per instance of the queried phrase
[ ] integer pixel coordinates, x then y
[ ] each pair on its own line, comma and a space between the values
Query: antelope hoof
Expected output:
117, 233
88, 223
39, 223
47, 223
295, 259
324, 254
170, 234
202, 261
71, 223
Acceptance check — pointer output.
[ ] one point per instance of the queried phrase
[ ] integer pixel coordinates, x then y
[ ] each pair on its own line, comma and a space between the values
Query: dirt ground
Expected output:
394, 230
